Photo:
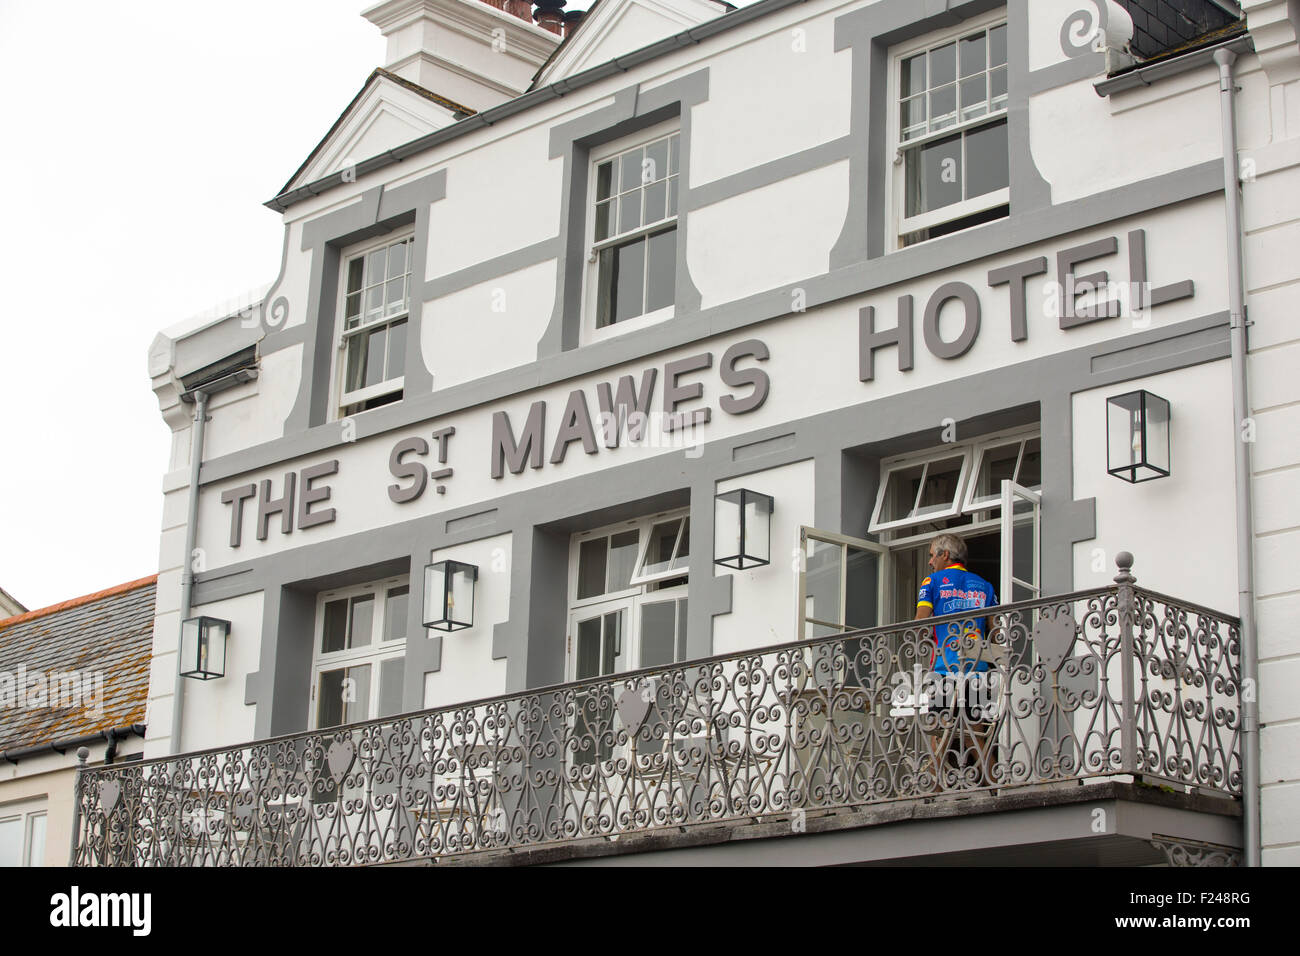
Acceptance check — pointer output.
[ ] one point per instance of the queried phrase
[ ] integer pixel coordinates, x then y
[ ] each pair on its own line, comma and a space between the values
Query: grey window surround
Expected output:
632, 111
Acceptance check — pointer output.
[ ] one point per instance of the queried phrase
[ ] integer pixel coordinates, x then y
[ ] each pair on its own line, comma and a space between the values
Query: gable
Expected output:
388, 112
613, 28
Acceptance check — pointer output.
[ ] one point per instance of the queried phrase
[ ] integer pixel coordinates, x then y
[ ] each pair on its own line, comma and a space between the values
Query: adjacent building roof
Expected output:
1161, 26
102, 641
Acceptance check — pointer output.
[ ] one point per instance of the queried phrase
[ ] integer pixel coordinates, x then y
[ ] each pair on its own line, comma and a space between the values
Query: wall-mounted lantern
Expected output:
742, 529
203, 647
449, 595
1137, 436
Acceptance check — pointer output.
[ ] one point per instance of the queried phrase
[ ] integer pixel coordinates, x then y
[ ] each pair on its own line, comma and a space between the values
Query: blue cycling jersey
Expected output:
949, 591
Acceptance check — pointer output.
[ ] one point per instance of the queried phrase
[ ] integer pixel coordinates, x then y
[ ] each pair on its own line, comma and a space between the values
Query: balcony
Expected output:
1115, 698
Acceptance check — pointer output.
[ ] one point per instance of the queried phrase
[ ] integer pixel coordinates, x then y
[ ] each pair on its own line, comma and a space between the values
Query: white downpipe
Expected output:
1241, 459
187, 569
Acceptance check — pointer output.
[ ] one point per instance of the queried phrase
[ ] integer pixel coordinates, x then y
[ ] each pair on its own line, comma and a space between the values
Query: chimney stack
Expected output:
573, 20
479, 53
550, 15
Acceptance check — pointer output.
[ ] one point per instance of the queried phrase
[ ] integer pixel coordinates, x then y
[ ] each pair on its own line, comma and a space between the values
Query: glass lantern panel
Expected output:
460, 604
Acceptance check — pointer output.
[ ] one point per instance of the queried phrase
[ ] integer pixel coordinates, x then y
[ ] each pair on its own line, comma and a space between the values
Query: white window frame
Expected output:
343, 399
972, 453
630, 600
374, 653
590, 332
808, 533
891, 466
992, 501
897, 189
25, 813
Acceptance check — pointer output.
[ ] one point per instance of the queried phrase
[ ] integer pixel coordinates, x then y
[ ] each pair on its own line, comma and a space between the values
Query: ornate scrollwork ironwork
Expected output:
842, 721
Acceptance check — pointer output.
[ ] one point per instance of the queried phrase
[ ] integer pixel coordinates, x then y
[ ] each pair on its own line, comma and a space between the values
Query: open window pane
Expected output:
824, 571
942, 485
899, 500
862, 588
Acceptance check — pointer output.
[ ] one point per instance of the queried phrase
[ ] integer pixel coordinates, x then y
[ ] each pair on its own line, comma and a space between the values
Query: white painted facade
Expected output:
764, 248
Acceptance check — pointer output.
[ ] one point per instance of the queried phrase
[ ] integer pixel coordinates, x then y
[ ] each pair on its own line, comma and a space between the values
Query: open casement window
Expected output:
360, 653
633, 228
1014, 458
951, 164
376, 296
842, 584
917, 491
1022, 510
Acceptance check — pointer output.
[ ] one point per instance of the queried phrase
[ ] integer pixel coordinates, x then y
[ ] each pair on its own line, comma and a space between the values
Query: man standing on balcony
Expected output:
960, 651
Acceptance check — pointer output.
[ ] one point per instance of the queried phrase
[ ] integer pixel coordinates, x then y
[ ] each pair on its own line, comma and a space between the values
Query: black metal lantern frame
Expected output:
743, 529
203, 647
449, 595
1137, 436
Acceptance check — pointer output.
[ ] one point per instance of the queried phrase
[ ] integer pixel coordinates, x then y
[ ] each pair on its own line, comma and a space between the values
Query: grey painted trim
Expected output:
1146, 75
774, 171
870, 32
536, 97
542, 520
377, 212
1085, 66
632, 110
490, 269
1002, 237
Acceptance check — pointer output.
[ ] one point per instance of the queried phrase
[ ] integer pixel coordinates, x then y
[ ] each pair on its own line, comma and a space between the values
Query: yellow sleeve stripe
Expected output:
924, 604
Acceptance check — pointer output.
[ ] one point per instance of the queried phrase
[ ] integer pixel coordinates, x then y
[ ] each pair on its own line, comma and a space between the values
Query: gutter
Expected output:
61, 747
1164, 69
534, 97
1250, 770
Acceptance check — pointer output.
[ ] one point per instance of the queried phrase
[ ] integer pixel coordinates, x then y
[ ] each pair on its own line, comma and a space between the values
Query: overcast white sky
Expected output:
139, 141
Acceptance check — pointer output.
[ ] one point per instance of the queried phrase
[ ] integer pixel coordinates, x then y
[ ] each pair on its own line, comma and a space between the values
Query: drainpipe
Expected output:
187, 570
1241, 457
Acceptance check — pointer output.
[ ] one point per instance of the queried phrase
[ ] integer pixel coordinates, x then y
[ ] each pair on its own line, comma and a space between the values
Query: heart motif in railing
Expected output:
339, 756
1054, 636
633, 705
109, 791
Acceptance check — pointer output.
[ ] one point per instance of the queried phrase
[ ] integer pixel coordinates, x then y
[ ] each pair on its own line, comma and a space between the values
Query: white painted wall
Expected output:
468, 671
764, 600
1271, 209
1181, 530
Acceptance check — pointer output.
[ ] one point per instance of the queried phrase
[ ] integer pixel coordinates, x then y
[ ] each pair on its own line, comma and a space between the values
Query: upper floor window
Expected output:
372, 334
951, 167
627, 598
633, 229
360, 658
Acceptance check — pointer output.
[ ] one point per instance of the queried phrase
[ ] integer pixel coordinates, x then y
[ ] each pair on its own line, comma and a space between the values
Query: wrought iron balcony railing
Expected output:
1112, 681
